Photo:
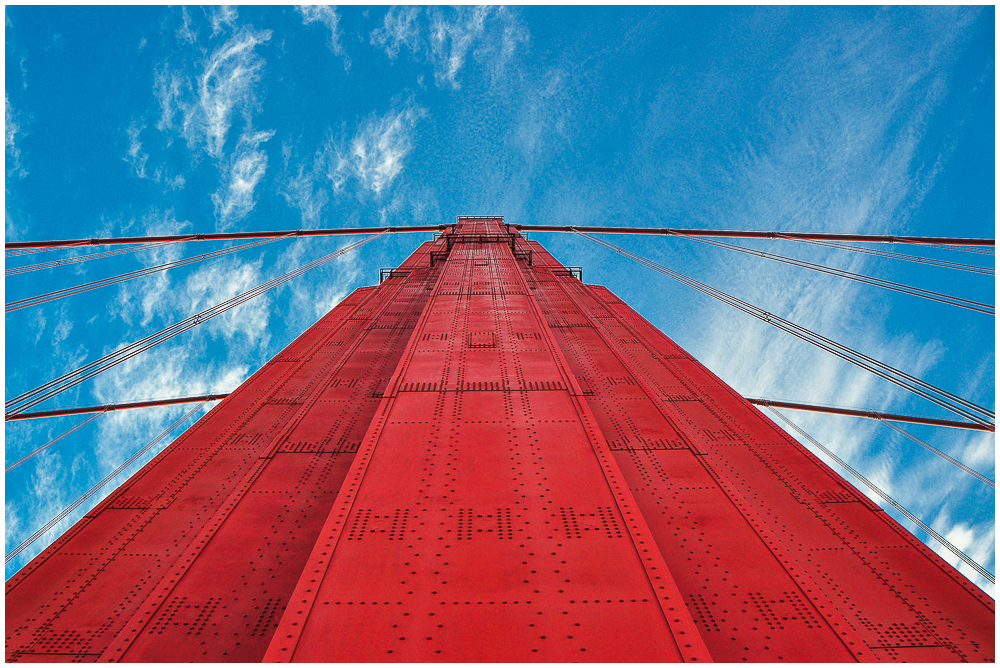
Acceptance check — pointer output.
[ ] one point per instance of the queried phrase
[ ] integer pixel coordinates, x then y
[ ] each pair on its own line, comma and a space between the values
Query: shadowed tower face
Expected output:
484, 459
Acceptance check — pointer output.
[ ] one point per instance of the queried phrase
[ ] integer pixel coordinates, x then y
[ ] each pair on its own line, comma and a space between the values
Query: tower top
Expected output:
461, 218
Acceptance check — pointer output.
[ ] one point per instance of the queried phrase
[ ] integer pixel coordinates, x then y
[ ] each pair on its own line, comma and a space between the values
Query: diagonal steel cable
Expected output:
861, 278
24, 401
121, 278
963, 249
897, 256
93, 490
943, 398
85, 258
888, 499
51, 443
948, 458
796, 406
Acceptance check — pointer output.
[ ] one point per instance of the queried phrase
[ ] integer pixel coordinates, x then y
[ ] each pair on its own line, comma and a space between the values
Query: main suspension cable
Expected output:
93, 490
832, 410
888, 499
23, 402
121, 278
149, 403
83, 258
50, 443
943, 398
900, 256
948, 458
861, 278
759, 234
747, 234
220, 236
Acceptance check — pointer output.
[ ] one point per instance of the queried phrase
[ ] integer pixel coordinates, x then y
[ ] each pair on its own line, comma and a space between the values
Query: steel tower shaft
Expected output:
484, 459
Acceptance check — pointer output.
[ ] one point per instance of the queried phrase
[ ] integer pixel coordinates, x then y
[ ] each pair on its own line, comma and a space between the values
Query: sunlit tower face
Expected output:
485, 459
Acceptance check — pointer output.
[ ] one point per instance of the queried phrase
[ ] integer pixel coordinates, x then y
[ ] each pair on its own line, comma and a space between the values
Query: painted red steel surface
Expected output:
484, 459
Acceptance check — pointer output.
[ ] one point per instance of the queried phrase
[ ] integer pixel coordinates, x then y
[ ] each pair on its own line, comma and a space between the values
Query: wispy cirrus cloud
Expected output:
400, 28
225, 86
200, 104
454, 34
168, 87
305, 190
545, 112
14, 168
207, 95
447, 37
200, 100
326, 16
186, 32
223, 18
135, 156
246, 167
10, 127
11, 130
374, 156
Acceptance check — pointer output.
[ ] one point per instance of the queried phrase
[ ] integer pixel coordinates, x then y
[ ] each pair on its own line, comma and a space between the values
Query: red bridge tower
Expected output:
484, 459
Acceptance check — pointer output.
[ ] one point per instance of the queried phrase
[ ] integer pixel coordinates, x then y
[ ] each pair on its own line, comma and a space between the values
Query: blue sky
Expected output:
142, 120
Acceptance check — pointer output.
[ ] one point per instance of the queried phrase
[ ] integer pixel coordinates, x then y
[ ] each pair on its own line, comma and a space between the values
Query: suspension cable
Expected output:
749, 234
121, 278
964, 249
84, 258
17, 252
23, 402
839, 410
149, 403
943, 398
50, 443
756, 234
942, 455
861, 278
93, 490
900, 256
888, 499
219, 236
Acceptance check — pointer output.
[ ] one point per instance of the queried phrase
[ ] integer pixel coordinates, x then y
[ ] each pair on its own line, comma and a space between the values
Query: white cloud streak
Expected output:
202, 104
135, 156
206, 103
11, 130
227, 84
305, 193
186, 33
451, 39
399, 28
326, 16
10, 127
374, 157
246, 167
223, 18
446, 37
